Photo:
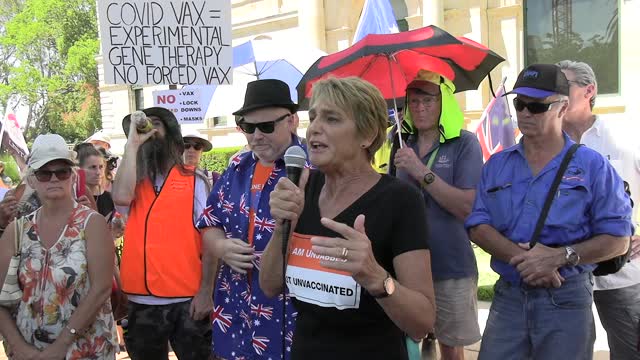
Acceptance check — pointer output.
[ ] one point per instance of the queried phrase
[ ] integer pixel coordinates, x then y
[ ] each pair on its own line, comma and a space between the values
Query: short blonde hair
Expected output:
362, 101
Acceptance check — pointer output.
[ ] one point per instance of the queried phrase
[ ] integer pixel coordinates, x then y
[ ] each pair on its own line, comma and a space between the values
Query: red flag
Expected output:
13, 139
495, 131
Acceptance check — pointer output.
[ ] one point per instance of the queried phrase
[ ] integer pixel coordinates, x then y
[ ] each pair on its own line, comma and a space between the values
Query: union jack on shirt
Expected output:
245, 323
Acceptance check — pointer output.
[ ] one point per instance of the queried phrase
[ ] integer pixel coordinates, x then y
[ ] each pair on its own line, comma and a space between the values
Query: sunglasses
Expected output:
61, 174
533, 107
195, 146
266, 127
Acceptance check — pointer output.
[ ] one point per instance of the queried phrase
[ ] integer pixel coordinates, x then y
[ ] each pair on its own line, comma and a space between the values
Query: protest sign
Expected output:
186, 104
166, 41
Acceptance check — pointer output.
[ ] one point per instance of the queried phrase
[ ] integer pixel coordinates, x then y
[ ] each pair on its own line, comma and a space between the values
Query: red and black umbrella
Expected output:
391, 61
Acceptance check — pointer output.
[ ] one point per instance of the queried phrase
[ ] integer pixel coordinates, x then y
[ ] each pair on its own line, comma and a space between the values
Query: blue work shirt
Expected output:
590, 201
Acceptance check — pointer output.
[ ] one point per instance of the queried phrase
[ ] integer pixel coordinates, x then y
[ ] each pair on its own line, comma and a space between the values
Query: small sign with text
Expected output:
186, 105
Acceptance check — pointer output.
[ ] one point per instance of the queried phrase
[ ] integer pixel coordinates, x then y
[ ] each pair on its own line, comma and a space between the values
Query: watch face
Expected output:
572, 257
389, 285
429, 178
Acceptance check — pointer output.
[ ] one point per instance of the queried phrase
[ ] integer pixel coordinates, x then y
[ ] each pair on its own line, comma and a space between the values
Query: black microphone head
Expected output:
295, 156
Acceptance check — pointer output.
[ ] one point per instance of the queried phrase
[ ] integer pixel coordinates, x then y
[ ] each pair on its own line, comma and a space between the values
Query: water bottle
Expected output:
142, 122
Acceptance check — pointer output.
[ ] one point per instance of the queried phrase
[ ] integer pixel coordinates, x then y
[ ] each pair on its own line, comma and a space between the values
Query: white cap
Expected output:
194, 134
47, 148
100, 136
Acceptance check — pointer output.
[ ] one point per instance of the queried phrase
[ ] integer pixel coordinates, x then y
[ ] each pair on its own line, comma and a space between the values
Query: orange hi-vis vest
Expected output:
162, 247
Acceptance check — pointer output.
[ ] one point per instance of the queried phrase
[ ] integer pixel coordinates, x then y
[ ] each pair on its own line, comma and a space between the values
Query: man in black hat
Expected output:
542, 303
237, 221
166, 269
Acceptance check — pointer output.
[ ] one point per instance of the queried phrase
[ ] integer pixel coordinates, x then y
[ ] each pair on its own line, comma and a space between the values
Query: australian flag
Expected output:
495, 131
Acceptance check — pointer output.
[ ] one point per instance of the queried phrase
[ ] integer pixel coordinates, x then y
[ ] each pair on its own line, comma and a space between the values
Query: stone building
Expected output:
601, 32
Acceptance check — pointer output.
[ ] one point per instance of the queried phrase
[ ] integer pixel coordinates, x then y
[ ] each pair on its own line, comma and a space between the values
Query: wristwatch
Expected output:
389, 287
428, 178
571, 256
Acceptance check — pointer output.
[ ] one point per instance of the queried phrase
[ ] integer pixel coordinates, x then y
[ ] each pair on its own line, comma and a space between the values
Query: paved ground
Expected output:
601, 349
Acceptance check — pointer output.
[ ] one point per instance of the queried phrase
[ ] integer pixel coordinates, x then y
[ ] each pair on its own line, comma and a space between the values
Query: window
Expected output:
400, 11
138, 97
581, 30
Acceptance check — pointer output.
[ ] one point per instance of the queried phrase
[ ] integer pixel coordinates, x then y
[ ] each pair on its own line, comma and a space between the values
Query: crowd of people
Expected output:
375, 262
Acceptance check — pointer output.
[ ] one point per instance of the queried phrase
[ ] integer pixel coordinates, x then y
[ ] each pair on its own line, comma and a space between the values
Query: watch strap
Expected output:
384, 293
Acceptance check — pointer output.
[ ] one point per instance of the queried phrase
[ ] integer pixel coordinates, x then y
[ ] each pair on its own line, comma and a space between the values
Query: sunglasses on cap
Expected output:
196, 146
266, 127
61, 174
533, 107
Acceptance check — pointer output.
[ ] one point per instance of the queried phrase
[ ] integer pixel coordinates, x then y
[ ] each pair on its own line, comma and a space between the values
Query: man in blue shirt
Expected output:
542, 303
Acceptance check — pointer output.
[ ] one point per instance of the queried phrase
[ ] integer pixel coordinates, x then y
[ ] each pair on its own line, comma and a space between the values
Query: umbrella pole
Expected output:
395, 105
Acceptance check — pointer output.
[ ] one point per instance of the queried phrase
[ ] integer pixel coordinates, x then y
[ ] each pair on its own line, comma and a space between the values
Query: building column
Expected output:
433, 13
311, 22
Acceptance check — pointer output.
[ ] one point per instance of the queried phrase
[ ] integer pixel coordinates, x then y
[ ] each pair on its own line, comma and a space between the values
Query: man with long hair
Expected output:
166, 269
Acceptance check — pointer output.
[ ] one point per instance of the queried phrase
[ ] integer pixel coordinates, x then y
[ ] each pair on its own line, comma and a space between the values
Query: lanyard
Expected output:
432, 157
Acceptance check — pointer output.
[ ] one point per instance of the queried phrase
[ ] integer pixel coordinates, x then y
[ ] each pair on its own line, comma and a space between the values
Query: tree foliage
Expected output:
50, 68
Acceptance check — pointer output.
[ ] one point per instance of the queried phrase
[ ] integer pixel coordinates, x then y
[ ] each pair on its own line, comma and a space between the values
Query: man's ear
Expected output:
563, 109
295, 122
590, 91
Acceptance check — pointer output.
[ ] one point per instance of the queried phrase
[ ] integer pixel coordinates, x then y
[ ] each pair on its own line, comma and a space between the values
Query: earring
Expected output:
363, 146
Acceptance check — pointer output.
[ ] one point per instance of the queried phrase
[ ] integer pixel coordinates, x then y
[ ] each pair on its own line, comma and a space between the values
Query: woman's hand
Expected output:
353, 254
286, 201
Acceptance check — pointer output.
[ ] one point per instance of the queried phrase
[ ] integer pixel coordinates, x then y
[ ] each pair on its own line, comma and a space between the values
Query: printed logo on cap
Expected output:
530, 75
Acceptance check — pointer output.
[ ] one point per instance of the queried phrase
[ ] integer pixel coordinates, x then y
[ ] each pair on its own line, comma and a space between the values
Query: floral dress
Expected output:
55, 281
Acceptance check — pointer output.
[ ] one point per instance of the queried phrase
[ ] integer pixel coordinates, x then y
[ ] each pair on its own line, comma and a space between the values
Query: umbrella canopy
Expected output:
260, 59
391, 61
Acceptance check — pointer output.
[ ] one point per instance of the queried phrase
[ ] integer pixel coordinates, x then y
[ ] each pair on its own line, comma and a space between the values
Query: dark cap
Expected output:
540, 81
267, 93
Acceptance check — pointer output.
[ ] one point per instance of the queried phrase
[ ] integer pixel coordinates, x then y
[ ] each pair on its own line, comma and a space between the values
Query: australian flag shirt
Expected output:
246, 324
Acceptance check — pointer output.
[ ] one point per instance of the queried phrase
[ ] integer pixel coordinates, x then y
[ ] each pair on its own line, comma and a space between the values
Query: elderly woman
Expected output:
65, 270
358, 261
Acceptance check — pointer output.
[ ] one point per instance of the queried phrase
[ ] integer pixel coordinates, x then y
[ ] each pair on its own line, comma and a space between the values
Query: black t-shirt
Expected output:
395, 224
105, 205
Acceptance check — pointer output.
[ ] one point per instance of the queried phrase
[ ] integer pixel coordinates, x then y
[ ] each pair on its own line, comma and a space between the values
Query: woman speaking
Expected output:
358, 261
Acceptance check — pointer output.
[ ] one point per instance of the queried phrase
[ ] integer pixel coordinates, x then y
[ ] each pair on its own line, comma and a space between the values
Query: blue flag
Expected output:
376, 18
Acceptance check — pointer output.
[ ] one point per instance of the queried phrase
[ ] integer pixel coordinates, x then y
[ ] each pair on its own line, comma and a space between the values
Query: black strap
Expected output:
552, 192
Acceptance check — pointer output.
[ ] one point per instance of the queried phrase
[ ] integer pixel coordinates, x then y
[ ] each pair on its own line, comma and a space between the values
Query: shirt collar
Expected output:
520, 148
596, 126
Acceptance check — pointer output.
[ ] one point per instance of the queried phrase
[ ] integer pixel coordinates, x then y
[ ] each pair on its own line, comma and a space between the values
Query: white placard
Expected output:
186, 104
166, 41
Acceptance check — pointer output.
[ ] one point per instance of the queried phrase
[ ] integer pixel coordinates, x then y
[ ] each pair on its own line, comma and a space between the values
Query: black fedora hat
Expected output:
171, 124
267, 93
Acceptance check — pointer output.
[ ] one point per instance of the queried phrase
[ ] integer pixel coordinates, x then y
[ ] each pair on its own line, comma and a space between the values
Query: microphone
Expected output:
294, 160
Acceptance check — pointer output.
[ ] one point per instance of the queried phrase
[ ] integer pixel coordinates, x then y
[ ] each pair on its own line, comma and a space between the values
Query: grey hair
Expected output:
584, 76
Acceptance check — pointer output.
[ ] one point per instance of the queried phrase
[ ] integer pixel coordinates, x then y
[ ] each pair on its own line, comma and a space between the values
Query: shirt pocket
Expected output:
569, 205
499, 204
